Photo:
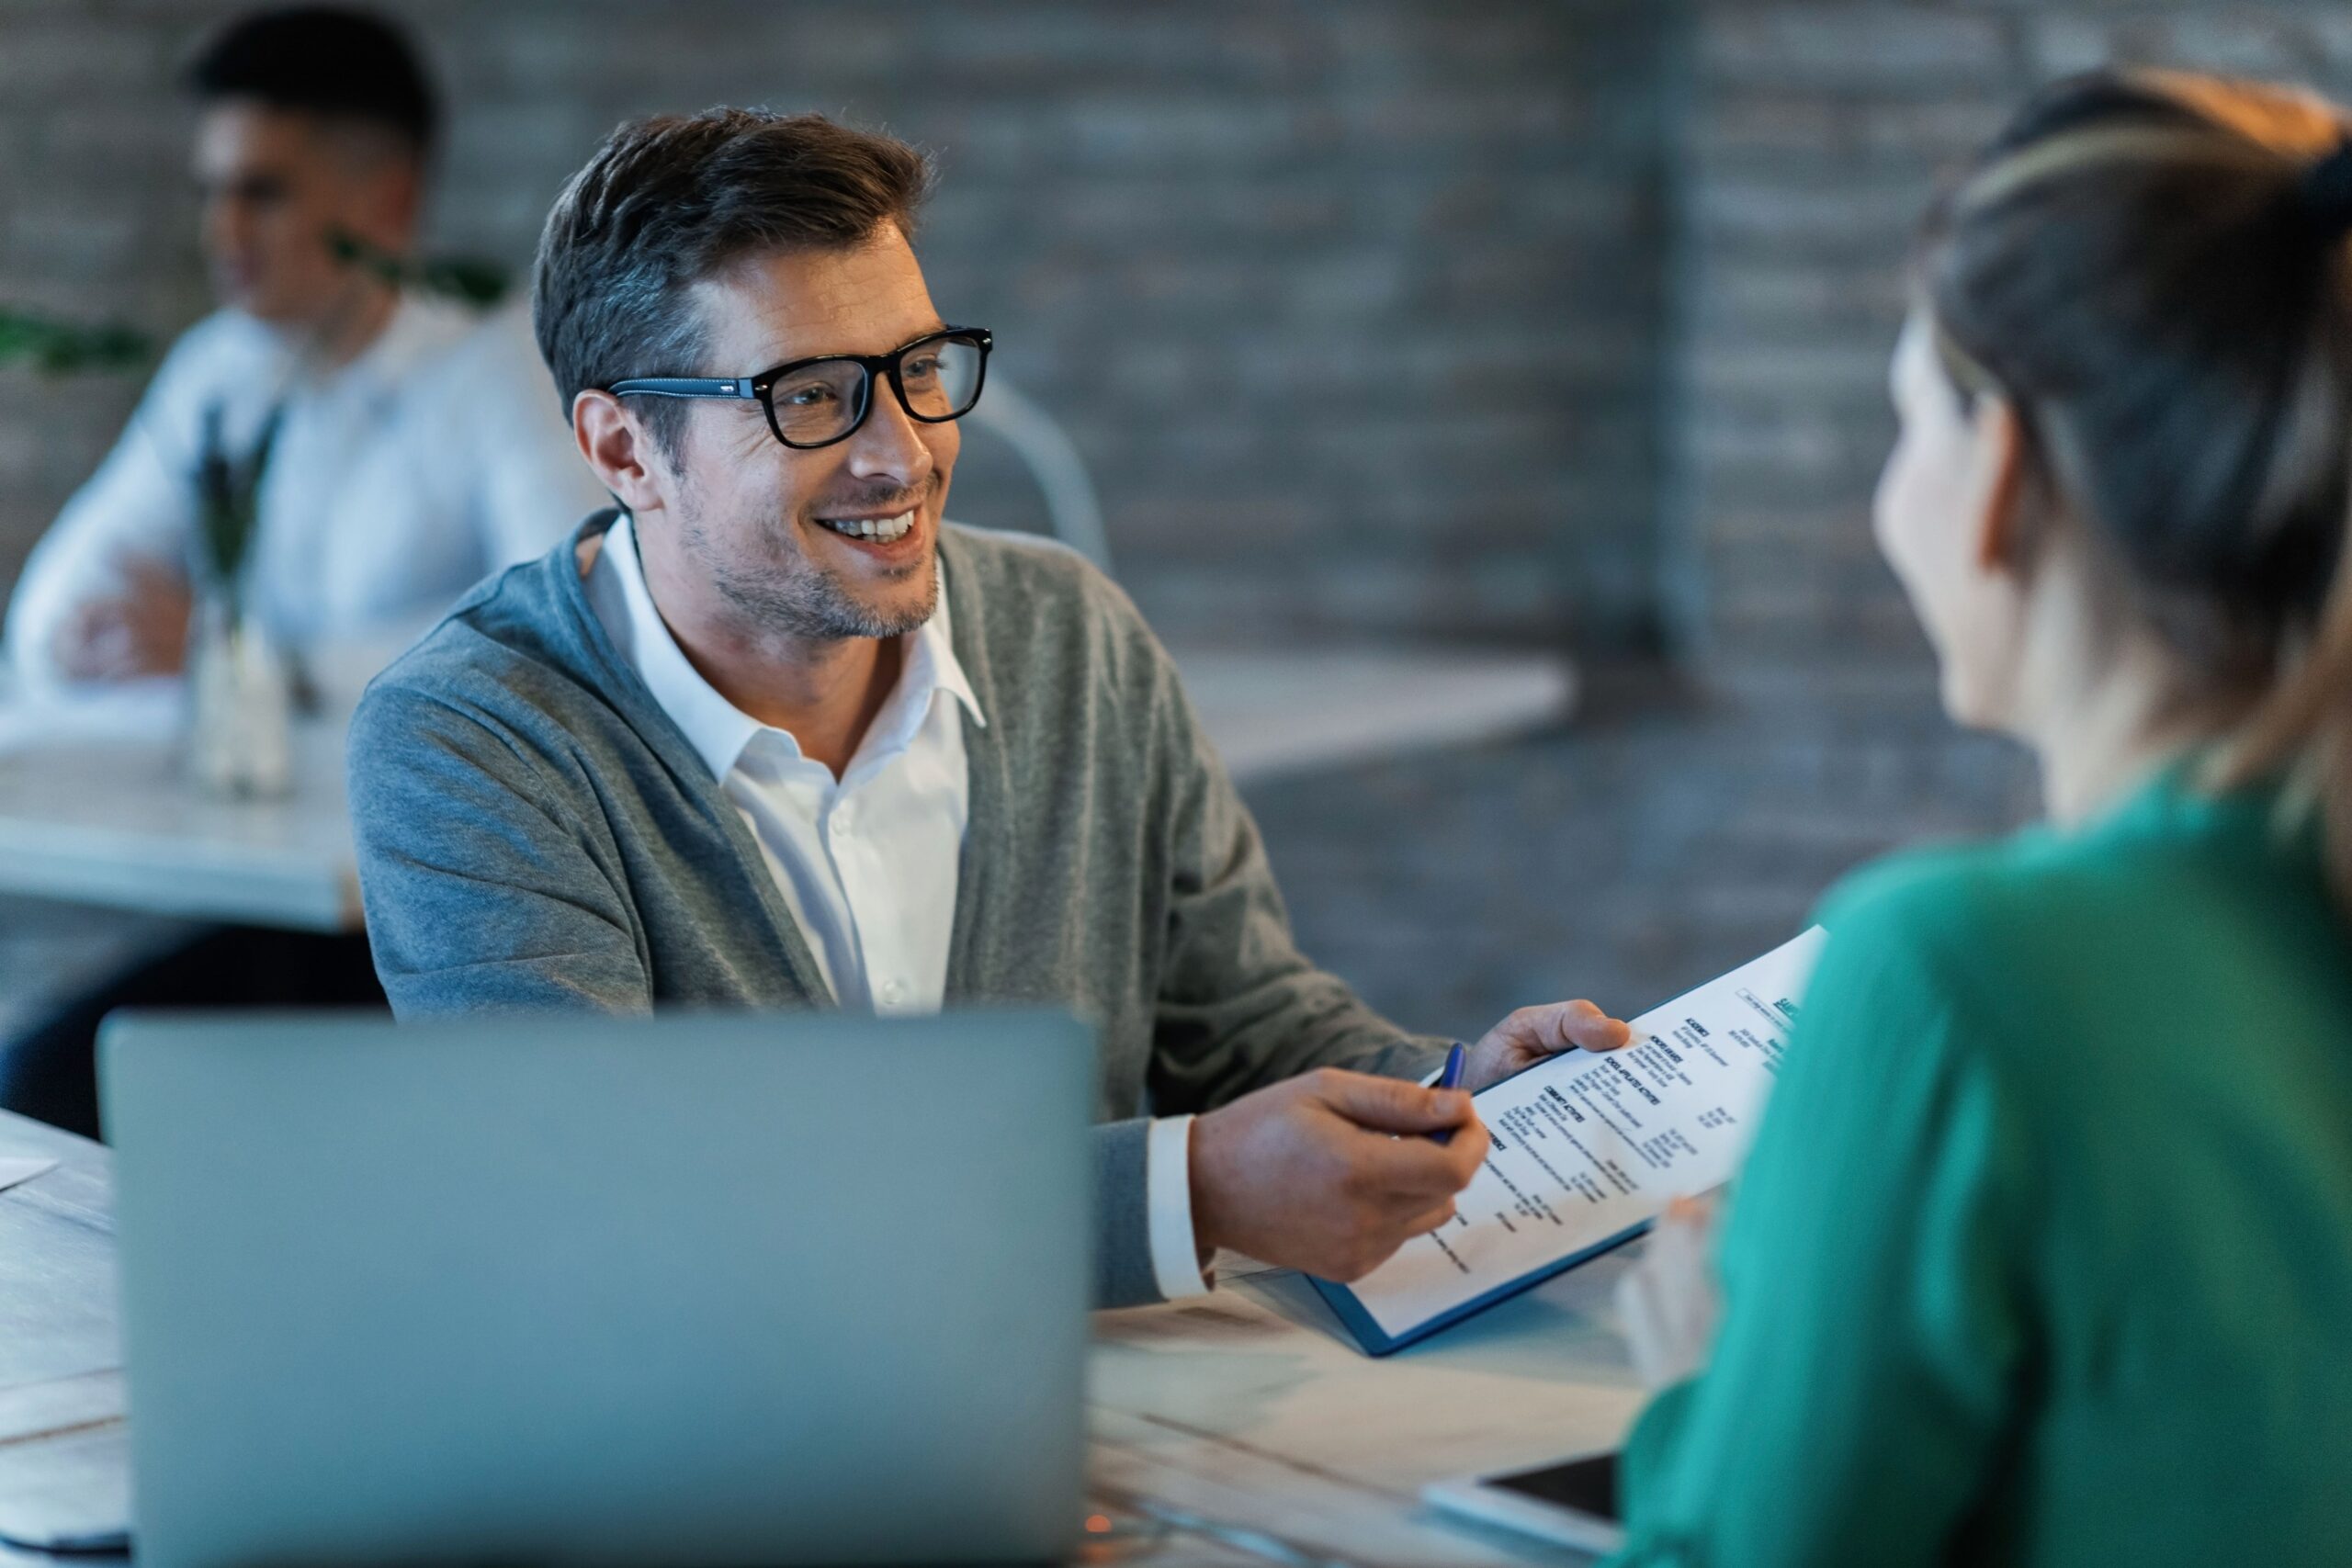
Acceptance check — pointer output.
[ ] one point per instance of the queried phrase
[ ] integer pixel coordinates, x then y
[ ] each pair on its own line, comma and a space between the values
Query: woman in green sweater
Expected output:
2044, 1251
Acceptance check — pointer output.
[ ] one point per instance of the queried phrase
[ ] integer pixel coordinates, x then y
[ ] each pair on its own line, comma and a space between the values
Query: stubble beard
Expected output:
792, 595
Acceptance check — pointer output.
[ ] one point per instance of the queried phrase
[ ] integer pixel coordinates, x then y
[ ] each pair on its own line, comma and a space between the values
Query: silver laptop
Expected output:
689, 1290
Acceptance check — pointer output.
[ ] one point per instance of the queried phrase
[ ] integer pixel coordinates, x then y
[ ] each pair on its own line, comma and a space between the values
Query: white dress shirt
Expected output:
868, 863
437, 455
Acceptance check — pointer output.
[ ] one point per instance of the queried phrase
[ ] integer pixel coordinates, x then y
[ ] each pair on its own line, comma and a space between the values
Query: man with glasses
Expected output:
774, 734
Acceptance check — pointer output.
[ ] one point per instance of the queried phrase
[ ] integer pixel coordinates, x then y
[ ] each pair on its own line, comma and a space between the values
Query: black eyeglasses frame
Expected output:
762, 387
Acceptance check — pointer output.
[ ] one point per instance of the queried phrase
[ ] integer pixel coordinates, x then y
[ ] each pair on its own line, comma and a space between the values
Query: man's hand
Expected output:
1529, 1035
140, 631
1330, 1172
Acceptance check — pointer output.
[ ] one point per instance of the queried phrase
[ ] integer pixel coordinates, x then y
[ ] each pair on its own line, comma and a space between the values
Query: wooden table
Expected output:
95, 808
1239, 1429
1251, 1410
61, 1434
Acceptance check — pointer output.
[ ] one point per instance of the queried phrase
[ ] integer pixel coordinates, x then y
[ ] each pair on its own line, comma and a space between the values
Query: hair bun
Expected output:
2327, 192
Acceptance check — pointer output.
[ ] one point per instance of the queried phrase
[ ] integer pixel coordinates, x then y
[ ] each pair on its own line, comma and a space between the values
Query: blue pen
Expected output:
1450, 1078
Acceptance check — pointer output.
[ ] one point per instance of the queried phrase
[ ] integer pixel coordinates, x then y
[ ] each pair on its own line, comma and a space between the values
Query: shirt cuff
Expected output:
1167, 1208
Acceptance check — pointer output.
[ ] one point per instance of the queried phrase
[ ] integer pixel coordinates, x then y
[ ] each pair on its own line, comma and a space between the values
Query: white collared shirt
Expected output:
435, 457
868, 863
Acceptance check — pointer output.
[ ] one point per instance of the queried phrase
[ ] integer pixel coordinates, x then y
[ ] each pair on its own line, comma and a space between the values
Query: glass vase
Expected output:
241, 704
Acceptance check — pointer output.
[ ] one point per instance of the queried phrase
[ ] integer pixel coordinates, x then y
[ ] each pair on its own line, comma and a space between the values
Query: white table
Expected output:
1282, 711
1241, 1428
96, 817
117, 822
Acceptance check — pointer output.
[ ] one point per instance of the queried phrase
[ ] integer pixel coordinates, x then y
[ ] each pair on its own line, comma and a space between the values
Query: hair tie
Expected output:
2327, 192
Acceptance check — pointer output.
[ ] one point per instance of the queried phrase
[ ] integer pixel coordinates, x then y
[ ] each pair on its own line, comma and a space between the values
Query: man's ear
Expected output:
621, 451
2004, 529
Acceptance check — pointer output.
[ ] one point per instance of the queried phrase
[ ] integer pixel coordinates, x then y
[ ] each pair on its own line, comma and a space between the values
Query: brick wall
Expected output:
1814, 136
1354, 307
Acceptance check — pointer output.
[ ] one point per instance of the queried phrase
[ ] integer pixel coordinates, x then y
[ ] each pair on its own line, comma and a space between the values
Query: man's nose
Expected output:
889, 445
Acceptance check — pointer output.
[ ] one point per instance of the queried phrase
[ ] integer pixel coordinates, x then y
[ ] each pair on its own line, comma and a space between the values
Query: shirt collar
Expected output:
423, 332
418, 329
716, 729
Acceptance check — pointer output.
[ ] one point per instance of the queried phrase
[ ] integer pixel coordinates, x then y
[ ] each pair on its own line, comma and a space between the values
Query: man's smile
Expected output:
882, 530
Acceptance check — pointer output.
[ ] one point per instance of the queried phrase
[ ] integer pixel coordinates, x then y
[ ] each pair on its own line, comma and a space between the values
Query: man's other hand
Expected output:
1330, 1172
1529, 1035
143, 630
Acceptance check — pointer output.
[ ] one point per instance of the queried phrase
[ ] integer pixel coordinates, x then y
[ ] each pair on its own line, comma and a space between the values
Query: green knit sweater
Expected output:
2045, 1252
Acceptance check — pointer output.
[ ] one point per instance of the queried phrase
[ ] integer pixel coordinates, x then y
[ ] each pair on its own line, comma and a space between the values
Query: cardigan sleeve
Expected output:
1875, 1330
479, 895
1238, 1006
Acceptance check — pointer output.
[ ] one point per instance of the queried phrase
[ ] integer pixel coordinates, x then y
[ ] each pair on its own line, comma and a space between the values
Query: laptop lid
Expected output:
684, 1289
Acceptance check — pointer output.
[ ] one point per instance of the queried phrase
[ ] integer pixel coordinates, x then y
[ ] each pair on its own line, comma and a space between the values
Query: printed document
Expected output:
1589, 1148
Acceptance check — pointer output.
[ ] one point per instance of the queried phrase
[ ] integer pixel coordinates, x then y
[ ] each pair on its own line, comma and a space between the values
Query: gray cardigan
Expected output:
534, 833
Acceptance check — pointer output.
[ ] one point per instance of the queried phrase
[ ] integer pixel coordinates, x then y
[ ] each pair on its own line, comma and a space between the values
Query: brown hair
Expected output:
672, 199
2153, 271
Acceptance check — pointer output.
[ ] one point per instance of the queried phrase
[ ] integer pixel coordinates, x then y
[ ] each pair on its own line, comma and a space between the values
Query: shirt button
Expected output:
892, 990
839, 824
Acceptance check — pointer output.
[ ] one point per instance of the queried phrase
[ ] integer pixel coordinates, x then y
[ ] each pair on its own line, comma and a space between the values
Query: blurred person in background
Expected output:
2045, 1252
416, 447
779, 736
416, 450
